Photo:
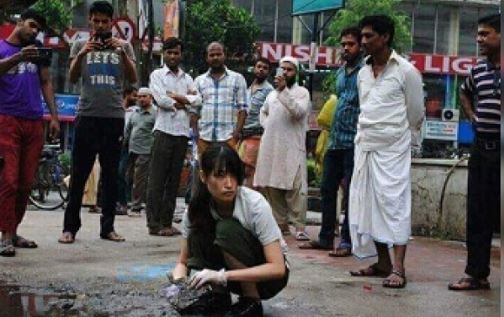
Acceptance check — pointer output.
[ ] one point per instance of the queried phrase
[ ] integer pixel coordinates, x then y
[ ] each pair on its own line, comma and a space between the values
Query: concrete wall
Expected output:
428, 177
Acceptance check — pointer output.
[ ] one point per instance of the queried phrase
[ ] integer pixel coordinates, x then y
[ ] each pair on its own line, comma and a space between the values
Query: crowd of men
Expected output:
379, 113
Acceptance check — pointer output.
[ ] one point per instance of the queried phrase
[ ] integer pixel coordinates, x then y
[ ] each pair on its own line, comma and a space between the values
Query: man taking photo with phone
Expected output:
104, 63
23, 75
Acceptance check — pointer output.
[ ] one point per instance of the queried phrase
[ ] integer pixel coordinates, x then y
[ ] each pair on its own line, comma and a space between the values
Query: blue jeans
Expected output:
338, 166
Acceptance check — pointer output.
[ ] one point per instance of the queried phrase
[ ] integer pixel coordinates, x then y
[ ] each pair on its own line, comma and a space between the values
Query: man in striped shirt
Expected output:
483, 186
224, 101
339, 158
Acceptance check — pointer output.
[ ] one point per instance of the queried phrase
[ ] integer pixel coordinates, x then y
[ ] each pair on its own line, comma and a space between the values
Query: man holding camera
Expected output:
104, 63
23, 75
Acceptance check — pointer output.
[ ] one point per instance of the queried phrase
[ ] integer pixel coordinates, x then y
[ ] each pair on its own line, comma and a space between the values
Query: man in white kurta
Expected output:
281, 162
391, 101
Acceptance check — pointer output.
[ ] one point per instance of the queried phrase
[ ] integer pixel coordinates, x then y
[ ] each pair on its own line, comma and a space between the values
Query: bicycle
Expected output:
49, 190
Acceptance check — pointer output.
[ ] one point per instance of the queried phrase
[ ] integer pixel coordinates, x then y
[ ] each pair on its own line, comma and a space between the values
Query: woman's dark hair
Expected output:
128, 90
101, 7
381, 24
216, 159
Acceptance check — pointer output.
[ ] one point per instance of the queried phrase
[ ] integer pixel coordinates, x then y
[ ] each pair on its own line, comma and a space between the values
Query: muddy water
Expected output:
16, 302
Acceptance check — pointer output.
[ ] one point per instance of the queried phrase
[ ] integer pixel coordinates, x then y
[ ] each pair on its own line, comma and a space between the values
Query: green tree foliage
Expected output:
218, 20
353, 12
57, 12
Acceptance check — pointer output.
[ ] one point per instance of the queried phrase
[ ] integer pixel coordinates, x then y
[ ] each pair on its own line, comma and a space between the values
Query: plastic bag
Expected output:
326, 114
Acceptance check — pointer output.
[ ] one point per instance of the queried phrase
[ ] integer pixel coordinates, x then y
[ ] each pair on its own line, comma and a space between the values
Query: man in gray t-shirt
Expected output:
104, 64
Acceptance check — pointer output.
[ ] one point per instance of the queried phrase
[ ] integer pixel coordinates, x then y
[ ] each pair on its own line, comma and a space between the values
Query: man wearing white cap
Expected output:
138, 138
281, 163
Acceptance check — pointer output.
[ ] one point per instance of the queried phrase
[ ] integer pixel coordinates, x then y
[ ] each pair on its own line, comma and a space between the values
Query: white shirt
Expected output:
169, 119
254, 213
390, 104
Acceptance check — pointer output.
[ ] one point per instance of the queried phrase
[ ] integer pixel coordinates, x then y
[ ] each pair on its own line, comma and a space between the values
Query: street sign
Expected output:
123, 28
440, 130
300, 7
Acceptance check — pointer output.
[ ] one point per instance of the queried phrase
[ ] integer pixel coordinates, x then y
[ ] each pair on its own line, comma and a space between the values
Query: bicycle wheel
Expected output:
45, 194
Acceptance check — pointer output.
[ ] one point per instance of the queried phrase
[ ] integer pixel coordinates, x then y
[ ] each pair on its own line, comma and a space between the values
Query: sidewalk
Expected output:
119, 275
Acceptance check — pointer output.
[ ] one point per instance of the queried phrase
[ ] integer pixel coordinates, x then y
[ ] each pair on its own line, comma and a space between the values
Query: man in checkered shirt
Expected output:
224, 104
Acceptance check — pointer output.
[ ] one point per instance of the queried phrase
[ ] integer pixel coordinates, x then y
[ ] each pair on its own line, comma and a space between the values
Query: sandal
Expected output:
314, 245
20, 242
302, 236
7, 248
67, 238
113, 236
168, 232
469, 284
371, 271
389, 282
340, 252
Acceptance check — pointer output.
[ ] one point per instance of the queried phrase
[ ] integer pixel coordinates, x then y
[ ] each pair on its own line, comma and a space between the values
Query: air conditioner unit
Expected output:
450, 115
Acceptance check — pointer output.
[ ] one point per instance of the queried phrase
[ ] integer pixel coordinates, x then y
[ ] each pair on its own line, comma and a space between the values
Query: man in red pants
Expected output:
23, 75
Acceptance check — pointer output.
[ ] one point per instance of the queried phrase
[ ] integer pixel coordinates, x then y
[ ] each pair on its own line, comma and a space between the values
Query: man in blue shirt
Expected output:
339, 158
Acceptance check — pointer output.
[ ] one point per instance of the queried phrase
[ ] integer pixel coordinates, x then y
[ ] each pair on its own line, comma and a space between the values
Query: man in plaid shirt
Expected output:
224, 101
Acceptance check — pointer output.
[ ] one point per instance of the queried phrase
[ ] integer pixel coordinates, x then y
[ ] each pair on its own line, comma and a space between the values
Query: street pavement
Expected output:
318, 286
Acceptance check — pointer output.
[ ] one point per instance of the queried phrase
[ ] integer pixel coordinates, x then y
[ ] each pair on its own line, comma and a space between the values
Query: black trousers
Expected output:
483, 208
167, 159
102, 136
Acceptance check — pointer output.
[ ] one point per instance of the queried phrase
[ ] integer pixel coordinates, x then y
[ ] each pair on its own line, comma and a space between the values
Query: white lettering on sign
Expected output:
328, 56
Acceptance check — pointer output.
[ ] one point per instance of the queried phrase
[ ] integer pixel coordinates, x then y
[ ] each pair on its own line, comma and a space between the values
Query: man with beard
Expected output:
339, 158
224, 101
175, 94
23, 75
483, 186
392, 110
104, 63
252, 130
281, 164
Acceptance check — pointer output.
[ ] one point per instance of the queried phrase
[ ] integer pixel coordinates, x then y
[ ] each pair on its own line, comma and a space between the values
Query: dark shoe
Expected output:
246, 307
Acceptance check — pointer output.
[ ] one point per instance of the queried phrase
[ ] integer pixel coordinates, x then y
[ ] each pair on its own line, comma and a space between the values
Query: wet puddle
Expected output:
17, 302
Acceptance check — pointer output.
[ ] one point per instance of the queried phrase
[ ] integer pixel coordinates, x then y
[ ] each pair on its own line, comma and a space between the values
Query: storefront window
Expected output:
468, 27
264, 13
284, 31
443, 29
423, 37
434, 89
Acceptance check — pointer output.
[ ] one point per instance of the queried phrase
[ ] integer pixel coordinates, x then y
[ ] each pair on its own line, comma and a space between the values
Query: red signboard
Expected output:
329, 56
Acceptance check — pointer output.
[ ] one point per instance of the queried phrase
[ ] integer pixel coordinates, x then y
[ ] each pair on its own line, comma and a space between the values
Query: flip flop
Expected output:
314, 245
469, 284
113, 236
388, 281
67, 238
7, 248
340, 252
302, 236
371, 271
168, 232
20, 242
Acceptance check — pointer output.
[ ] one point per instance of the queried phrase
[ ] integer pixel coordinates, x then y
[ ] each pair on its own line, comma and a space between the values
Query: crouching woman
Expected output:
231, 237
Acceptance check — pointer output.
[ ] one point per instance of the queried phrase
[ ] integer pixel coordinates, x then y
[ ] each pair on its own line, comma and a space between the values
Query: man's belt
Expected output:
488, 145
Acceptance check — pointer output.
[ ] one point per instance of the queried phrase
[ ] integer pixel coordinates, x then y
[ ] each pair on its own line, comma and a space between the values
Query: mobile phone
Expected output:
279, 72
44, 53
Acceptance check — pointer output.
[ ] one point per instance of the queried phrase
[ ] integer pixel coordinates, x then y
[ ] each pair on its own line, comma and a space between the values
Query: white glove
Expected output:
208, 276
